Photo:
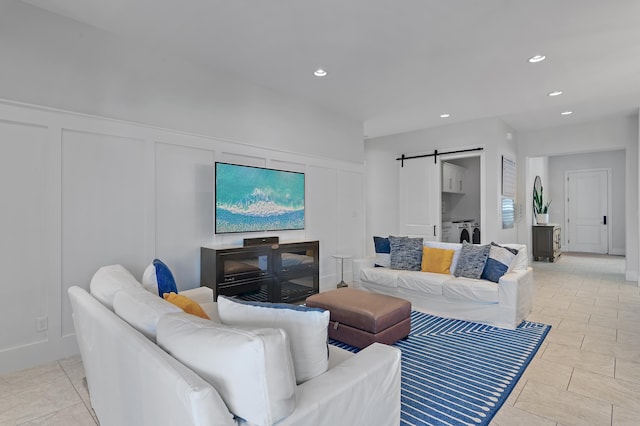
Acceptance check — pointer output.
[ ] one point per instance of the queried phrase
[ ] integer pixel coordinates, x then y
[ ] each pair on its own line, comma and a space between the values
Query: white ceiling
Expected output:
397, 65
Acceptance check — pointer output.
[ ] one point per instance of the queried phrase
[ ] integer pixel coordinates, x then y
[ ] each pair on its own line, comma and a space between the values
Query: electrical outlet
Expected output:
42, 323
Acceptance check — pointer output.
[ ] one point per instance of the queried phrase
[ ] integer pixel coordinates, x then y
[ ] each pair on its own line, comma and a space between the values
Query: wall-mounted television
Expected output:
251, 199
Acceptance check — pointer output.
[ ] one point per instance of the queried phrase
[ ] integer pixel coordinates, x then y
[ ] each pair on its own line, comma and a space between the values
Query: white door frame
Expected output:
483, 191
565, 235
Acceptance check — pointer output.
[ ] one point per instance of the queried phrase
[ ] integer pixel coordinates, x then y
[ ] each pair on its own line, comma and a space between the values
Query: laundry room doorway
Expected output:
461, 201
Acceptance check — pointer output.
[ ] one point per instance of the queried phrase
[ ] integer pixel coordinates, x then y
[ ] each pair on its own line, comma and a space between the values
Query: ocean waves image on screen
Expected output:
256, 199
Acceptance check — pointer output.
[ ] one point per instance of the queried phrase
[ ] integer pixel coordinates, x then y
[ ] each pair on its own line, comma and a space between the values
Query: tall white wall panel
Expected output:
184, 209
23, 153
103, 208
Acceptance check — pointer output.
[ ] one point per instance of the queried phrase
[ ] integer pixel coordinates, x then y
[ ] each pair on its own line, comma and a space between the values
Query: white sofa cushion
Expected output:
521, 262
456, 247
109, 280
469, 289
142, 310
306, 328
251, 368
424, 282
381, 276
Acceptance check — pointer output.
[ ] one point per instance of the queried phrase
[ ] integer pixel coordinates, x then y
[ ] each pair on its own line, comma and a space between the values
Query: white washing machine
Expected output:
465, 230
462, 230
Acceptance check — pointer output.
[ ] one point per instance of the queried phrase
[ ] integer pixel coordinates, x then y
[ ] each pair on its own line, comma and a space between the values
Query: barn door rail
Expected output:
434, 155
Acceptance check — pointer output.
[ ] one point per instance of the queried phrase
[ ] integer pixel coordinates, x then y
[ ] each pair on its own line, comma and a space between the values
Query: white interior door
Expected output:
587, 211
419, 197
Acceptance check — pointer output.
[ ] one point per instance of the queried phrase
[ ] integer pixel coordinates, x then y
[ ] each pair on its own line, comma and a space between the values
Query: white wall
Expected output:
54, 61
82, 191
615, 133
382, 172
612, 160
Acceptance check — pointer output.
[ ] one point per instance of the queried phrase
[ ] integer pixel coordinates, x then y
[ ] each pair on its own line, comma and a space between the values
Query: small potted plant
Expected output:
540, 208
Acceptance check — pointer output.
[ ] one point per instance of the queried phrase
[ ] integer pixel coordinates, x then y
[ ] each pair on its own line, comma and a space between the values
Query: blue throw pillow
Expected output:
383, 252
406, 253
498, 262
472, 260
157, 278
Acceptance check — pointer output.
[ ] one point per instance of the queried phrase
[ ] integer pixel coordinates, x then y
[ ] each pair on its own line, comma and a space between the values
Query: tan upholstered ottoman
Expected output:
360, 318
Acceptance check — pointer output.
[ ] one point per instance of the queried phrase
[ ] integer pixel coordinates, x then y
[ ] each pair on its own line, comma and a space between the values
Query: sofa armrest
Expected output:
359, 264
515, 291
350, 393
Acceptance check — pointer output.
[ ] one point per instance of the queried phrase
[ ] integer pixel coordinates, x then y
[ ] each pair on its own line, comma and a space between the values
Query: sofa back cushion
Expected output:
306, 328
142, 309
251, 368
522, 258
109, 280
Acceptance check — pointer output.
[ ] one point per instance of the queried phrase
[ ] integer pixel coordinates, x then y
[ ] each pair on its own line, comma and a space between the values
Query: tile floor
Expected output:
587, 371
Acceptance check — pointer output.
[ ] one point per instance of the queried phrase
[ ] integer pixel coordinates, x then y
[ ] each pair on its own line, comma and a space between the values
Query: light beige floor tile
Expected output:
627, 370
36, 376
549, 373
75, 372
628, 337
567, 314
625, 416
615, 323
76, 415
568, 339
509, 416
572, 357
35, 402
629, 316
562, 406
601, 311
569, 326
608, 389
614, 349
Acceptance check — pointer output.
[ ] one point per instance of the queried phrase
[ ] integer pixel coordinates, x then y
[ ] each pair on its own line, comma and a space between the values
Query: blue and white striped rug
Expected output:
460, 373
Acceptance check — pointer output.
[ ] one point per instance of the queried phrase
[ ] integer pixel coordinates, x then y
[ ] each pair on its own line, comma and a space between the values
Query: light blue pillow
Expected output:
472, 260
406, 253
498, 262
158, 279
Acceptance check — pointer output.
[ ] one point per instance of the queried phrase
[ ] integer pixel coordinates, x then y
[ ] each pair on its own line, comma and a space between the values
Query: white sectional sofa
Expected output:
134, 381
503, 304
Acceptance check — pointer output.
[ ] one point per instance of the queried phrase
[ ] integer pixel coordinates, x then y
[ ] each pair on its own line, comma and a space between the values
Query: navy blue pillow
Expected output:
164, 277
383, 252
498, 262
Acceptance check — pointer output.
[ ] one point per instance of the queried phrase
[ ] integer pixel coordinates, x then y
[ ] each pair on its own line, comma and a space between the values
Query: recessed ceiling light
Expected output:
555, 93
445, 115
537, 58
319, 72
566, 113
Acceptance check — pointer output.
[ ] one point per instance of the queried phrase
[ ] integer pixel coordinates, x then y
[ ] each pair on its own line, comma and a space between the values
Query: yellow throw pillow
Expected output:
186, 304
436, 260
